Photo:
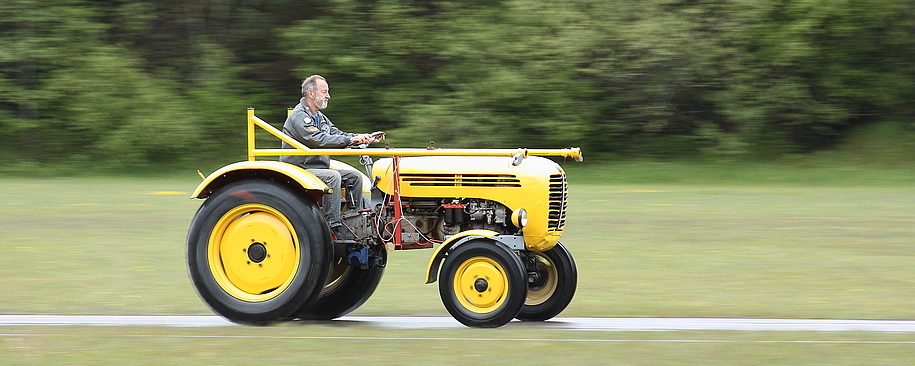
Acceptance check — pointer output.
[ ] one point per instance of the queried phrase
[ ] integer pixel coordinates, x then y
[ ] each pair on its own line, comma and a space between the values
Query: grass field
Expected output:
651, 240
297, 344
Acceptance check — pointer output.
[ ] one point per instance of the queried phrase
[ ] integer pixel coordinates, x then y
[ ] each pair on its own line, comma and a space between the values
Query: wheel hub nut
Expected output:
480, 285
257, 252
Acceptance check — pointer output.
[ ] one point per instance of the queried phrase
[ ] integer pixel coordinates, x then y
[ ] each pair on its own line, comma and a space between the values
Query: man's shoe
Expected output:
342, 233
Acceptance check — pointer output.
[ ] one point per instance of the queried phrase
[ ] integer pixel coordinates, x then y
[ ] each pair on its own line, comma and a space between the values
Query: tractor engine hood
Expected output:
537, 185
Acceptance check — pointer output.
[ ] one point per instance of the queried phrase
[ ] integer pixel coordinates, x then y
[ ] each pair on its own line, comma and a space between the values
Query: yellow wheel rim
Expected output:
480, 285
544, 287
253, 252
338, 274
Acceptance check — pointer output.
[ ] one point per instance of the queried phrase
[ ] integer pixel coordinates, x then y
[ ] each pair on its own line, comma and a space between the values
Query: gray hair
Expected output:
311, 83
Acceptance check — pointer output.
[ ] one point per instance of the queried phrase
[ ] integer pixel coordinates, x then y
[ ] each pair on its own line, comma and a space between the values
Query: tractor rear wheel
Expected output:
257, 251
347, 288
552, 286
483, 284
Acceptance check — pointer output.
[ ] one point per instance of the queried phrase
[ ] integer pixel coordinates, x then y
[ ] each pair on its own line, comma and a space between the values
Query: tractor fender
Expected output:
515, 242
278, 171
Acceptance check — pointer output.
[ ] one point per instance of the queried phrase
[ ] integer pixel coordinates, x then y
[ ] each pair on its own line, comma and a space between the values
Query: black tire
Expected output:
257, 251
483, 284
347, 288
553, 286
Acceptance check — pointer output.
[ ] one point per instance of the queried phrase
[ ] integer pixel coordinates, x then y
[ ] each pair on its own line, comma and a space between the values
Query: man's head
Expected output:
316, 92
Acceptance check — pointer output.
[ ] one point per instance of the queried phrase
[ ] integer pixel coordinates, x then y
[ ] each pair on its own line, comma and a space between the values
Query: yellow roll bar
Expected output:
299, 149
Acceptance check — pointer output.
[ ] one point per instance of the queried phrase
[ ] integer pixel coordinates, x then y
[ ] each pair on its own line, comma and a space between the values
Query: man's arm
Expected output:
355, 139
302, 128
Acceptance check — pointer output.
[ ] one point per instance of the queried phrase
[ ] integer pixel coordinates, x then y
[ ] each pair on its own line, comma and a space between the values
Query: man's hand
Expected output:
377, 135
366, 138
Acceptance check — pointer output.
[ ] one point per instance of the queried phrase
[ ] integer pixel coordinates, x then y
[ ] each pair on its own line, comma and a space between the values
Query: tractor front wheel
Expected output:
257, 251
553, 279
483, 284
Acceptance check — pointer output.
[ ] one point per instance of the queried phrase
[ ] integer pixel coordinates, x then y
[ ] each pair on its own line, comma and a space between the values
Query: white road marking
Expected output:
594, 324
453, 339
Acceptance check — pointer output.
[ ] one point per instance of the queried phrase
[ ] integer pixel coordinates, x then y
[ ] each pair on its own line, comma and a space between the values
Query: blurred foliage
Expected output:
155, 81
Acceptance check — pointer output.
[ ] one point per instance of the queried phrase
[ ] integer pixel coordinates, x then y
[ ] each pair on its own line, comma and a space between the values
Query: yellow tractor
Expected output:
259, 249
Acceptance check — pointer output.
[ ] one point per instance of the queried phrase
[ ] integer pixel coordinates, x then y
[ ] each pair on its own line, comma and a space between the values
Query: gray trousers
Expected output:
335, 179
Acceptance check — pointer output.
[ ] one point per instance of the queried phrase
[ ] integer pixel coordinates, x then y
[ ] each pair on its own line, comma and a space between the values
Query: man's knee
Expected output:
329, 176
351, 176
334, 176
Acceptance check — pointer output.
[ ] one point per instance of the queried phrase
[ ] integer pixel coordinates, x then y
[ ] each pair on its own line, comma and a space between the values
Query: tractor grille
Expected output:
558, 201
461, 180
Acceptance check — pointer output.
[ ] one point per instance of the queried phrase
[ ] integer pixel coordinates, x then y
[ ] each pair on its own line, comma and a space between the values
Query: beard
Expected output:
321, 103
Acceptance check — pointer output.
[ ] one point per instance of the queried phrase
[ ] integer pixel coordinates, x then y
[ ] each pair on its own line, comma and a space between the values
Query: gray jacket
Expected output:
301, 125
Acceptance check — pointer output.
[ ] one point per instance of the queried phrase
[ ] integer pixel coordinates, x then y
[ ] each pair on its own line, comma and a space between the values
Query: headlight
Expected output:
519, 217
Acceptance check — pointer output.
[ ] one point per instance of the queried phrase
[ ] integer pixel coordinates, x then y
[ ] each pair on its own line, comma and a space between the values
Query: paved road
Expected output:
598, 324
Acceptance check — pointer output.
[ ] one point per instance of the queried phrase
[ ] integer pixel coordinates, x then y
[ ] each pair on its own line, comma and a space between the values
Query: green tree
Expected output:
461, 73
78, 99
161, 80
809, 69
